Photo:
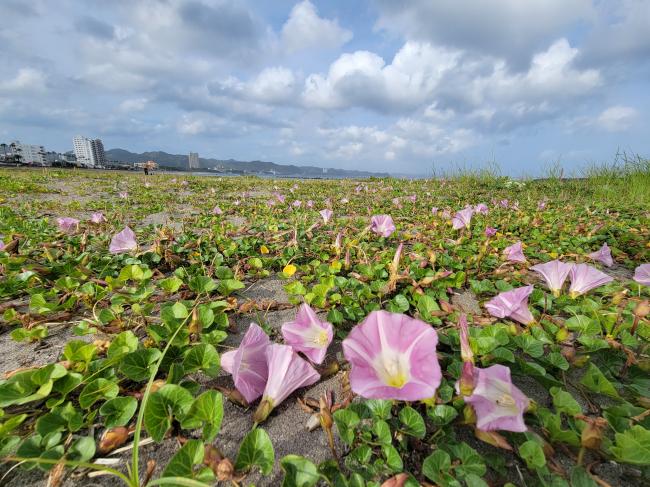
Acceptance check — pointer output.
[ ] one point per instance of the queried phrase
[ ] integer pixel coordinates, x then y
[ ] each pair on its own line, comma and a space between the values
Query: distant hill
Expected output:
243, 167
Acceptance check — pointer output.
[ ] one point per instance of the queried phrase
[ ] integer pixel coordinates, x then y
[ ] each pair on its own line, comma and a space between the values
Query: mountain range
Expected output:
179, 161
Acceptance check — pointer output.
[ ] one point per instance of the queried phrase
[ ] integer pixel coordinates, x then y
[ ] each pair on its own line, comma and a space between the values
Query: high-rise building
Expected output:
89, 152
193, 160
28, 153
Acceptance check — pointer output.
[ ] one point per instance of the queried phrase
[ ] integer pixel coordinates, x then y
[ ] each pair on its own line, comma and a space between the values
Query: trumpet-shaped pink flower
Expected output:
504, 203
67, 224
279, 197
462, 218
308, 334
393, 356
310, 204
642, 274
603, 255
97, 218
382, 225
217, 211
585, 278
490, 231
2, 245
287, 373
297, 204
123, 242
124, 194
248, 364
434, 210
326, 214
498, 403
515, 253
554, 273
481, 208
397, 202
413, 198
512, 304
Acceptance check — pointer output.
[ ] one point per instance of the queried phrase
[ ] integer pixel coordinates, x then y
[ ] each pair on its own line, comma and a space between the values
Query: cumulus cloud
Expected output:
510, 29
305, 30
27, 80
616, 118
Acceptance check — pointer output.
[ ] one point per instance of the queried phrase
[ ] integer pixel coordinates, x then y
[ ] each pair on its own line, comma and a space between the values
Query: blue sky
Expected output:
378, 84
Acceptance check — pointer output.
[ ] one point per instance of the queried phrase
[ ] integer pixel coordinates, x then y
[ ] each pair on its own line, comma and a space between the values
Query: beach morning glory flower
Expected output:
396, 202
2, 245
297, 204
504, 203
67, 224
287, 372
124, 195
434, 210
248, 364
462, 218
279, 197
393, 356
585, 278
97, 218
481, 208
554, 273
308, 334
310, 203
490, 231
123, 242
326, 214
382, 225
413, 198
512, 304
498, 403
515, 253
642, 274
217, 211
603, 255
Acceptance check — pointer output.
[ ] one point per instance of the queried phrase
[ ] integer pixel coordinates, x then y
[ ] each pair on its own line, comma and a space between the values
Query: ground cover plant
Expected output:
181, 330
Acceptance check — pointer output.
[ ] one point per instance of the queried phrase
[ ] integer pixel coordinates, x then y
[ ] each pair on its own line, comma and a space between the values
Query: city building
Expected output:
89, 152
193, 160
28, 153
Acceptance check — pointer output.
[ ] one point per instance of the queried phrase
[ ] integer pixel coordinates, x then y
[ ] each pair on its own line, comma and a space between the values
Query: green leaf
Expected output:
533, 454
346, 420
256, 449
202, 284
442, 414
137, 365
122, 344
228, 286
179, 311
564, 402
202, 357
171, 284
595, 381
382, 432
380, 408
206, 411
79, 351
183, 462
413, 422
97, 390
168, 402
632, 446
436, 467
580, 478
298, 472
118, 411
393, 458
82, 449
471, 461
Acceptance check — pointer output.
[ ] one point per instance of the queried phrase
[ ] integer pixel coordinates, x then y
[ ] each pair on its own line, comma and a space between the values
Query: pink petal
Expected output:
308, 334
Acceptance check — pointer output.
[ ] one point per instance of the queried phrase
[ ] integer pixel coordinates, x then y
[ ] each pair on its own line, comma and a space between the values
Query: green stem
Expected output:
70, 463
177, 481
135, 477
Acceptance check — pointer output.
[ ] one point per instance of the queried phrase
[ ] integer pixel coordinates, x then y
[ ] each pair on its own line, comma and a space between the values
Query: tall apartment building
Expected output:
193, 160
28, 153
89, 152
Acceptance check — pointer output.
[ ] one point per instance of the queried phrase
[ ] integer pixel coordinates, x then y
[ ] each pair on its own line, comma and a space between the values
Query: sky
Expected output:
400, 86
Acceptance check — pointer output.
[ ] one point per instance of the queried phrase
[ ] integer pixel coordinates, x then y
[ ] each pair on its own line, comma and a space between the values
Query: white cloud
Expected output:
133, 105
306, 30
26, 80
617, 118
273, 85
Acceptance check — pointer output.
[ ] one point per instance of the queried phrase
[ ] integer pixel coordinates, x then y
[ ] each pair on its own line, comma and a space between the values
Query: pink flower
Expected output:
123, 242
413, 198
512, 304
515, 253
97, 218
344, 200
217, 211
541, 205
248, 364
434, 210
326, 214
382, 225
642, 274
504, 203
2, 245
393, 356
554, 273
498, 403
310, 204
308, 334
287, 372
297, 204
585, 278
481, 208
446, 215
490, 231
124, 194
337, 242
279, 197
462, 218
603, 255
67, 224
397, 203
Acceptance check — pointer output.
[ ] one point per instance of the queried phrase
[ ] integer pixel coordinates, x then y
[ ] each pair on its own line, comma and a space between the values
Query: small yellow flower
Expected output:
553, 255
264, 249
289, 270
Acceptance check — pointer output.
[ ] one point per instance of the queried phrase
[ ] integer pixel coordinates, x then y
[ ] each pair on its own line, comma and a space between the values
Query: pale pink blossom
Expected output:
217, 211
382, 225
326, 214
603, 255
554, 273
308, 334
515, 253
584, 278
512, 304
642, 274
97, 218
67, 224
123, 242
462, 218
